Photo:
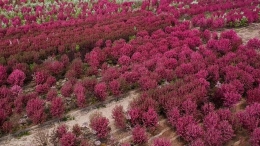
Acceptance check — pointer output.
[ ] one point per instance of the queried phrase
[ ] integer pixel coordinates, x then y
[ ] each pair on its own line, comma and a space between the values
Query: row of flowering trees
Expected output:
19, 13
31, 46
209, 14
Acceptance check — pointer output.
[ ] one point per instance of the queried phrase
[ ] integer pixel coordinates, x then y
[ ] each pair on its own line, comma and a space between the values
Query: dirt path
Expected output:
249, 32
80, 117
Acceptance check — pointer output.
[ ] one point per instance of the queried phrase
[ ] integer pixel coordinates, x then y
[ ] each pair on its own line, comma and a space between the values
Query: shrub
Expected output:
3, 74
71, 74
7, 127
51, 81
231, 98
77, 66
197, 142
101, 91
161, 142
249, 118
150, 118
3, 116
17, 77
212, 136
173, 115
189, 107
52, 93
211, 120
125, 144
40, 77
147, 83
253, 43
95, 57
253, 95
124, 60
67, 89
81, 100
227, 94
35, 110
79, 89
84, 142
89, 84
110, 74
255, 137
119, 117
182, 123
135, 114
4, 92
224, 114
139, 135
227, 132
16, 90
115, 87
76, 129
100, 124
68, 139
207, 108
62, 129
64, 59
57, 107
193, 131
55, 67
42, 88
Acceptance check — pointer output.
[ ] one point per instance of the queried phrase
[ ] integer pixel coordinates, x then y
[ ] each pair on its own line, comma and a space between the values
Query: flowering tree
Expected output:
52, 93
68, 139
42, 88
81, 100
61, 129
189, 107
40, 77
76, 130
173, 115
161, 142
101, 91
119, 117
67, 89
182, 124
147, 83
197, 142
17, 77
100, 125
150, 118
253, 95
207, 108
55, 67
255, 137
57, 107
249, 118
3, 74
193, 131
124, 60
7, 126
139, 135
115, 87
51, 81
3, 116
35, 110
135, 116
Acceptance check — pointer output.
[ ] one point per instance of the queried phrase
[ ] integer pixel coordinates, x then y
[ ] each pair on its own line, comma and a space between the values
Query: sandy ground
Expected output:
81, 118
249, 32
